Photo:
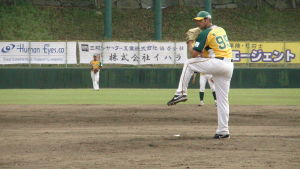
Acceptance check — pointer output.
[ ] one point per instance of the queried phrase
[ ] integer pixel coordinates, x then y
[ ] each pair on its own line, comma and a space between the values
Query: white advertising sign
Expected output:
88, 49
38, 53
181, 53
14, 53
134, 53
71, 53
121, 53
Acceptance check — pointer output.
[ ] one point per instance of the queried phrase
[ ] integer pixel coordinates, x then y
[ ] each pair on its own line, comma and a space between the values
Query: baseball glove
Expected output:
95, 70
192, 34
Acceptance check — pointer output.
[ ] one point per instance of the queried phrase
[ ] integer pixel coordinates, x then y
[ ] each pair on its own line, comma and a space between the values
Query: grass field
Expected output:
144, 96
44, 23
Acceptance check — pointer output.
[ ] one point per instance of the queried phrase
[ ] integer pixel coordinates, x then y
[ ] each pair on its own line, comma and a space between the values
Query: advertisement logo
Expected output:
84, 47
8, 48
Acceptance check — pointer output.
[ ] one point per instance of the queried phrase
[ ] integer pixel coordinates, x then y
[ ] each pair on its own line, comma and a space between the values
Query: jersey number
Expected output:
223, 42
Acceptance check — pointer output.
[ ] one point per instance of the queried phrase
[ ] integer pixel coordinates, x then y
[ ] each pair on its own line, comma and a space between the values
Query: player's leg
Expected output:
97, 80
93, 79
212, 87
222, 90
202, 82
185, 77
191, 66
181, 92
222, 85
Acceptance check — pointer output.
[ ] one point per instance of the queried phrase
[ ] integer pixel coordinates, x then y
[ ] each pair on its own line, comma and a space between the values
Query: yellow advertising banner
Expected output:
265, 52
293, 48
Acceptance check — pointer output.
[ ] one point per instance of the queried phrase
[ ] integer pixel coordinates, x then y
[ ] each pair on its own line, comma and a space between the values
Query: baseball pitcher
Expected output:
191, 36
212, 54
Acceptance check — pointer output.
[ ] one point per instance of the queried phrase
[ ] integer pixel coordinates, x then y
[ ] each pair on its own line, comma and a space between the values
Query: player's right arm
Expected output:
91, 65
100, 65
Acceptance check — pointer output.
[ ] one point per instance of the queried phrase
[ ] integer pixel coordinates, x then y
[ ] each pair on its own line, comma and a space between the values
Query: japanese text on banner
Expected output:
266, 52
135, 53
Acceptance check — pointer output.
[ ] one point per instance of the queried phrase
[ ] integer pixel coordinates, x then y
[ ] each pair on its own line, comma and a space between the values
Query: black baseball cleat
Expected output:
220, 136
176, 99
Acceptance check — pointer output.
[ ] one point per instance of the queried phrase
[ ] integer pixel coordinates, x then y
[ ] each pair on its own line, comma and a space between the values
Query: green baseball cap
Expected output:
202, 15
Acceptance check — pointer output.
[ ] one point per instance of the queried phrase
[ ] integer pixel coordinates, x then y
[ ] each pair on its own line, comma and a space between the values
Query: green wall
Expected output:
138, 78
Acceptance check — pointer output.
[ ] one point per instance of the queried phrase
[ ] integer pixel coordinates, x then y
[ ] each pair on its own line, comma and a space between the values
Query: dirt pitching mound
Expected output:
147, 137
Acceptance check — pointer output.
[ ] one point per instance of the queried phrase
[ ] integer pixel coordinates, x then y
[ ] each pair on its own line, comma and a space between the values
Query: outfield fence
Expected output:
139, 78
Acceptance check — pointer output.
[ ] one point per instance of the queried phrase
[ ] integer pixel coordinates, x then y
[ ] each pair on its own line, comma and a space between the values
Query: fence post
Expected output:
102, 52
77, 53
139, 53
249, 52
207, 4
175, 52
29, 53
108, 19
66, 55
284, 51
158, 19
294, 4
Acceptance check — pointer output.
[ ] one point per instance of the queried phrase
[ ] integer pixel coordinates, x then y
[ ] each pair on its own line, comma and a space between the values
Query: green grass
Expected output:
143, 96
84, 24
27, 22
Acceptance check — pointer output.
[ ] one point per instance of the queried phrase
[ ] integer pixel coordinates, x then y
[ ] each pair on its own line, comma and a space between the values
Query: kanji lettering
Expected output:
113, 57
145, 57
123, 57
156, 56
135, 58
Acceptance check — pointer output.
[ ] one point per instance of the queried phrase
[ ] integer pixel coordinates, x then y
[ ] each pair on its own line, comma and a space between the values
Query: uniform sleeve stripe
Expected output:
201, 40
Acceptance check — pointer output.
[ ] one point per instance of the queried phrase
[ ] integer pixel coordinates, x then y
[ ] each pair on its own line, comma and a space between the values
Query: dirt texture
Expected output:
147, 137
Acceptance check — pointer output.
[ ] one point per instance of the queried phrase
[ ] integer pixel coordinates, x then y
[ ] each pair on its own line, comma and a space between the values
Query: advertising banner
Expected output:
266, 52
163, 52
134, 53
38, 53
87, 50
139, 53
13, 53
120, 53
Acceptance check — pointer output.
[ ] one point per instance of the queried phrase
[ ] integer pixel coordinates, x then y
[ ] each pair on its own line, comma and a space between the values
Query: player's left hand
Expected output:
95, 70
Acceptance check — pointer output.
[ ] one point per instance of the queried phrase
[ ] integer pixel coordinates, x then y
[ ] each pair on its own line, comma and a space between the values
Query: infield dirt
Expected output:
147, 137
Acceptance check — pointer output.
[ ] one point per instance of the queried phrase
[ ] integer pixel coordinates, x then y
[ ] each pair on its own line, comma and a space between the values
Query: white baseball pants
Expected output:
95, 80
222, 72
206, 78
